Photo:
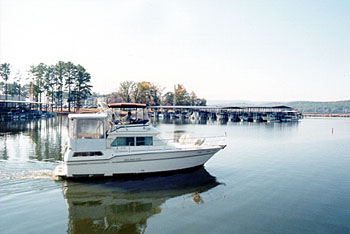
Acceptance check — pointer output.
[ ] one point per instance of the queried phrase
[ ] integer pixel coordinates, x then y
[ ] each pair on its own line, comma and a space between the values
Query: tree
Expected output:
25, 90
82, 88
49, 82
40, 71
181, 97
201, 102
126, 90
70, 74
147, 93
193, 98
141, 93
59, 71
37, 76
12, 89
33, 91
155, 94
5, 71
2, 87
18, 79
195, 101
115, 98
168, 99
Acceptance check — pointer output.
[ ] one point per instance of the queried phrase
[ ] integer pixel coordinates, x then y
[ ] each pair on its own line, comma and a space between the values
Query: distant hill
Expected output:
321, 107
303, 106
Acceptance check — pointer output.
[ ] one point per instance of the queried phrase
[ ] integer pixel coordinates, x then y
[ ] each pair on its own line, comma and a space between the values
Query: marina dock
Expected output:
12, 110
15, 109
229, 113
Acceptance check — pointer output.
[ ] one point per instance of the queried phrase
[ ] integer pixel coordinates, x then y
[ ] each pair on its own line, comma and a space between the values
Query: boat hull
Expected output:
137, 163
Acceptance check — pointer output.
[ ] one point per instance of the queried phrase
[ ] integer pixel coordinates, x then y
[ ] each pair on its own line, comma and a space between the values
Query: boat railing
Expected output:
200, 140
171, 144
116, 127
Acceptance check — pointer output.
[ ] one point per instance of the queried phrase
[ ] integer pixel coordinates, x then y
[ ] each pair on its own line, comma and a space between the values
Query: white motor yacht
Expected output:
102, 145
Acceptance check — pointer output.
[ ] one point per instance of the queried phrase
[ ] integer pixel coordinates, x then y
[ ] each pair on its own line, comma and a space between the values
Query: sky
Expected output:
222, 50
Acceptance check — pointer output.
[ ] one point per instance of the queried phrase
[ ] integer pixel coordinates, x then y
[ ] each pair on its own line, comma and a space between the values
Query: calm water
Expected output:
271, 178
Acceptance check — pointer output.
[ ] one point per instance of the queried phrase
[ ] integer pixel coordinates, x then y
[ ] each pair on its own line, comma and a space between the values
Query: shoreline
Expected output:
338, 115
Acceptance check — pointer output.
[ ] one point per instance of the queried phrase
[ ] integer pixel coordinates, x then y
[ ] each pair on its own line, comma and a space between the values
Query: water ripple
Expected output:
18, 175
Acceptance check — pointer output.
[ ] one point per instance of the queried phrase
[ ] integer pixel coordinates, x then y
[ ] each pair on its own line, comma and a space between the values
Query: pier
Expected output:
15, 109
229, 113
12, 109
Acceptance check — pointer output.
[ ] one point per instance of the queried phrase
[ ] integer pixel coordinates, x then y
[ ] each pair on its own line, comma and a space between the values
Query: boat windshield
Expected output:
130, 115
87, 128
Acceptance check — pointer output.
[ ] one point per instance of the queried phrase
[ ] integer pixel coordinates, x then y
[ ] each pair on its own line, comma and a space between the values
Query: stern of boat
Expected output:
60, 172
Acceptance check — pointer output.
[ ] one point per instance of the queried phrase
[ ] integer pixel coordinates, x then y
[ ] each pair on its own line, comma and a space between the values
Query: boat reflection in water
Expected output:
124, 205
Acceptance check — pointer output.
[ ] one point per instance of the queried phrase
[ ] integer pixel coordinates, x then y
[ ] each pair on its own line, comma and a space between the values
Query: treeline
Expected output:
151, 95
321, 107
14, 89
59, 83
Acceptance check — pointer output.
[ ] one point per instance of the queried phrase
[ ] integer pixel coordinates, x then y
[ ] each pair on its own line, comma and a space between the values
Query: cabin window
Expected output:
144, 141
90, 128
84, 154
123, 141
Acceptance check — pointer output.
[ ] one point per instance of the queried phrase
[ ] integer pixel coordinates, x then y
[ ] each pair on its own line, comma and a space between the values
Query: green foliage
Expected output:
38, 83
126, 90
168, 99
52, 80
82, 87
70, 74
321, 107
5, 70
115, 97
183, 98
151, 95
18, 79
141, 92
59, 70
2, 86
15, 89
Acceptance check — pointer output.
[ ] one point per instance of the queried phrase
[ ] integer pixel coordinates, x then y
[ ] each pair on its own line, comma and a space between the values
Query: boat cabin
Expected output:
93, 134
135, 136
87, 131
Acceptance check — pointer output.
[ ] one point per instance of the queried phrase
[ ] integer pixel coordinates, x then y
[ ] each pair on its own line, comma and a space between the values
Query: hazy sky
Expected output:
231, 50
